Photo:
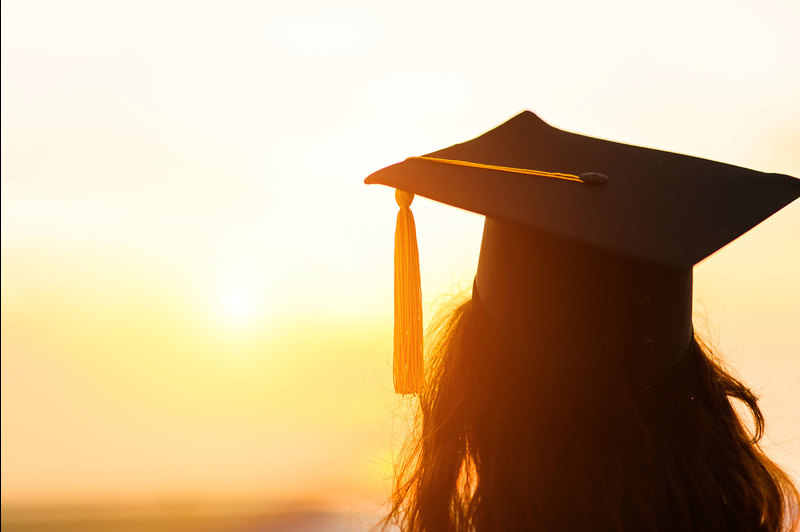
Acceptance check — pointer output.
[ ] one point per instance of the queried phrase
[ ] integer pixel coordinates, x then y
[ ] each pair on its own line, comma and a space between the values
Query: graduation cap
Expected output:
588, 244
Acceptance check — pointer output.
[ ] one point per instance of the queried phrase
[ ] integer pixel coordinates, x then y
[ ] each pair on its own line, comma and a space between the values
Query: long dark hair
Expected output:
499, 446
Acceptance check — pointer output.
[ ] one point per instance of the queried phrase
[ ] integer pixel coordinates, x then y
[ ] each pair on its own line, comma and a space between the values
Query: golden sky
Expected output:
196, 284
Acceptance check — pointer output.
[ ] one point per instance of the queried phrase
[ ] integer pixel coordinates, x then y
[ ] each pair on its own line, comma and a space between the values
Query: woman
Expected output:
570, 392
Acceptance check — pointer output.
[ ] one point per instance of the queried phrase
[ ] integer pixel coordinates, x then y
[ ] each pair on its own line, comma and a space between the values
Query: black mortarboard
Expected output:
584, 234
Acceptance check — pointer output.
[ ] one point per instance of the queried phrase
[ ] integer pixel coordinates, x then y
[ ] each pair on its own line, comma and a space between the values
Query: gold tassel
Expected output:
408, 365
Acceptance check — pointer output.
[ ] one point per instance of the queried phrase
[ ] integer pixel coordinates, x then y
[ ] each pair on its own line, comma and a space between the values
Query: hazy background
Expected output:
196, 285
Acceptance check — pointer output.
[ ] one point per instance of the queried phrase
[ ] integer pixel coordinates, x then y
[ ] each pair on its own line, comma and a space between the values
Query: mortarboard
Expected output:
588, 244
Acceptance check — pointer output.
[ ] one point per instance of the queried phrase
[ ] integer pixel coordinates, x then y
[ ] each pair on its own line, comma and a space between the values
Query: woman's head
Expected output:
570, 393
502, 444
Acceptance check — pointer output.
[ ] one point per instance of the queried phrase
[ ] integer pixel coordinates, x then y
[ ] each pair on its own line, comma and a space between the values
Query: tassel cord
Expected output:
408, 343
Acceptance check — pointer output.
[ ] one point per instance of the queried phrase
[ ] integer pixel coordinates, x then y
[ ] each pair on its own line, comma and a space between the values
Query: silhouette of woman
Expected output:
570, 391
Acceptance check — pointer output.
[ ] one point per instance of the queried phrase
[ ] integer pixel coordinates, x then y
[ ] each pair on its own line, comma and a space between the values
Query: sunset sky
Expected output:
196, 283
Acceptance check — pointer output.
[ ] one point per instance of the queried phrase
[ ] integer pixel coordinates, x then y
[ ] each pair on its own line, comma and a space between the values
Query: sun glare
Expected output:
238, 303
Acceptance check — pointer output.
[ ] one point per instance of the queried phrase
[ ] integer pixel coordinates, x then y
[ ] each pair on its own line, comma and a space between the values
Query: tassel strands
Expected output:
408, 363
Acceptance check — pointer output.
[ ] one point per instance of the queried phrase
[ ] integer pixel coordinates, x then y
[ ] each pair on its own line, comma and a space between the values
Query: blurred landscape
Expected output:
184, 518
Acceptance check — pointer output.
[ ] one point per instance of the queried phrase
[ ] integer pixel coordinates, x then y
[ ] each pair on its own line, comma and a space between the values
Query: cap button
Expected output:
593, 178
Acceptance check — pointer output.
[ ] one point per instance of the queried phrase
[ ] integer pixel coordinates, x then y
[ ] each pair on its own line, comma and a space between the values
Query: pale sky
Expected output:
196, 284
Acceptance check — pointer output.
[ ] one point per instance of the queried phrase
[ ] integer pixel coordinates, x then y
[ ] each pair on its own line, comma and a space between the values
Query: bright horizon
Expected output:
196, 284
